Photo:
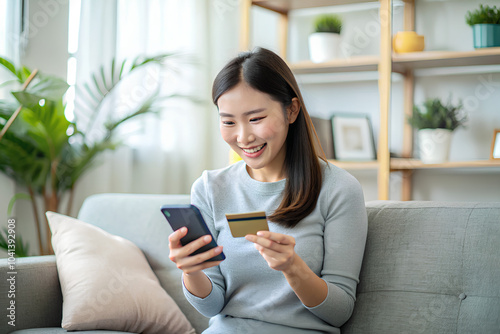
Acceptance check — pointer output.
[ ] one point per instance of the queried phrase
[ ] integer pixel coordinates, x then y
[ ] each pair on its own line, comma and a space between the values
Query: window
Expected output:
73, 33
11, 12
3, 27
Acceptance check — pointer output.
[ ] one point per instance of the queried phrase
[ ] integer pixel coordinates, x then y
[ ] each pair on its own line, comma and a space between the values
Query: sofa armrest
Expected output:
33, 290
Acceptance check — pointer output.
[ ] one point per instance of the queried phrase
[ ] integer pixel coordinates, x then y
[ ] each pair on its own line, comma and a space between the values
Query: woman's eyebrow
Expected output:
246, 113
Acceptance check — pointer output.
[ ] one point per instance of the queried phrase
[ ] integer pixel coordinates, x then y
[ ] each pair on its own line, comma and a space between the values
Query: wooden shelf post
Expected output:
283, 35
408, 91
384, 84
245, 11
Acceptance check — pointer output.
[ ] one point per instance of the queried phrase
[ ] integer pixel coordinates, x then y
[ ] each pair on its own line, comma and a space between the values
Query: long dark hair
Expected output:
265, 71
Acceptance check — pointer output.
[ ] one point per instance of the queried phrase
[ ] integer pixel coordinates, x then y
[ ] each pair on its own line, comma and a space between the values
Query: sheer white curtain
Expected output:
10, 37
164, 153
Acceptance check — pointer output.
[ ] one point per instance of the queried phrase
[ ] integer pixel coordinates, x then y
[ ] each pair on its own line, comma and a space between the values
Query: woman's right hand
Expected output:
180, 255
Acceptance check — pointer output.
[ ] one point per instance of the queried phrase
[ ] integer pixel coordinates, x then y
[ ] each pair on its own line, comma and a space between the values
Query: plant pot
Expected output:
434, 145
486, 35
324, 46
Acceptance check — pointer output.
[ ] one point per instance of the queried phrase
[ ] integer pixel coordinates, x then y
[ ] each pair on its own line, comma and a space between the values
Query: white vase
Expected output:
324, 46
434, 145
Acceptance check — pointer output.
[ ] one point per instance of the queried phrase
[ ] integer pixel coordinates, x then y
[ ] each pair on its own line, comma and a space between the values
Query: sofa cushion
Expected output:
107, 283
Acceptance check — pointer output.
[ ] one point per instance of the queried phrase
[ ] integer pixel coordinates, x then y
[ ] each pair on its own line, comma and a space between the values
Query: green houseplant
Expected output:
328, 23
435, 123
485, 23
324, 43
44, 152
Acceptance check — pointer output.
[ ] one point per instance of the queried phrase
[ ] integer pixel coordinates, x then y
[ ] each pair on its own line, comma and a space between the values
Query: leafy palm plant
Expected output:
43, 151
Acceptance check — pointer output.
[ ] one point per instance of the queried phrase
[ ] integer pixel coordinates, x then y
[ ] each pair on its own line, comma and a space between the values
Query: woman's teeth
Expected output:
253, 150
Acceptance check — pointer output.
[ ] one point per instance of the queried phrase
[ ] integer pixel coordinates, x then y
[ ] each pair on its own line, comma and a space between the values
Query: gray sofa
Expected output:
428, 268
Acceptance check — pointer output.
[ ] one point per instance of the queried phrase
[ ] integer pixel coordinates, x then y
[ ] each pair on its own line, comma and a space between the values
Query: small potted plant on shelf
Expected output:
435, 123
485, 23
324, 43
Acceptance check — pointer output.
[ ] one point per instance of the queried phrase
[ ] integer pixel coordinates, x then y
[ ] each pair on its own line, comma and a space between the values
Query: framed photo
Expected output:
495, 145
353, 137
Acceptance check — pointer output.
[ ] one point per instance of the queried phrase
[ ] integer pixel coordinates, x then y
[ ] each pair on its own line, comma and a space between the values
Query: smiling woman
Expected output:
300, 276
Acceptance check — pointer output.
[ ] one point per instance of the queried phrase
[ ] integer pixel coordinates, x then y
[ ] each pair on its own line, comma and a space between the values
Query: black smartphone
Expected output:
190, 216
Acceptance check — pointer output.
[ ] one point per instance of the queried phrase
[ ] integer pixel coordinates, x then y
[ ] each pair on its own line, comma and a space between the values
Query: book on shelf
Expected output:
324, 130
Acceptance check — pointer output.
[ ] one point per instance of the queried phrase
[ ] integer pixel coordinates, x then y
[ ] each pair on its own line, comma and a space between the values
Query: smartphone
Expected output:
190, 216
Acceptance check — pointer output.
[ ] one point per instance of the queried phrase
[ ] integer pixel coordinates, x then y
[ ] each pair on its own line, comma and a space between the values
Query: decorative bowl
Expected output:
408, 41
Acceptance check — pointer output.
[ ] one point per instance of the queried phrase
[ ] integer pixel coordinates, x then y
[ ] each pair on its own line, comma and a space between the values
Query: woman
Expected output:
301, 275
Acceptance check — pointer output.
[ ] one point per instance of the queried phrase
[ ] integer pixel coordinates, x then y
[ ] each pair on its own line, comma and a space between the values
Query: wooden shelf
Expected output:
356, 165
398, 164
284, 6
402, 62
353, 64
382, 66
434, 59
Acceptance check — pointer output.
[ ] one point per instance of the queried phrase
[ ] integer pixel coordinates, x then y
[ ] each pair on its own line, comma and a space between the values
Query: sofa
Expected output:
429, 267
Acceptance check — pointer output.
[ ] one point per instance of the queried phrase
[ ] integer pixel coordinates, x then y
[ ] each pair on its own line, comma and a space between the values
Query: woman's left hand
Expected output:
276, 248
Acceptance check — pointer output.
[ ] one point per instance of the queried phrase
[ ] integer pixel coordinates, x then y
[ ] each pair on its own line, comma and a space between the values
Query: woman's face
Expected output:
255, 127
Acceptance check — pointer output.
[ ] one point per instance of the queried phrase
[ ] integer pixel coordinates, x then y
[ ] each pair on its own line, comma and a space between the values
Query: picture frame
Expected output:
353, 137
495, 145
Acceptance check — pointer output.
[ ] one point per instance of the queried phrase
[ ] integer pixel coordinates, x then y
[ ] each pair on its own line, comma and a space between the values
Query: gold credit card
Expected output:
242, 224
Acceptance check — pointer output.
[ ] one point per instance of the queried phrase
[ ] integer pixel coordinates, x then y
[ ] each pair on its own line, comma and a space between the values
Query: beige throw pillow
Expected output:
107, 283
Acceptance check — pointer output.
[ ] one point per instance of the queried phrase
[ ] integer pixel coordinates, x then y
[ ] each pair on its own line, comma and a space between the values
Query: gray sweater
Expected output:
249, 297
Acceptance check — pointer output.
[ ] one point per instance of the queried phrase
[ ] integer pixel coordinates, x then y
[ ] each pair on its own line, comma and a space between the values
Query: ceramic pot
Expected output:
324, 46
434, 145
486, 35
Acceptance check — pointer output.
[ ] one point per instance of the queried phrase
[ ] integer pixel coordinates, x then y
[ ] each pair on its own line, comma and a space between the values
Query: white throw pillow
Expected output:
107, 283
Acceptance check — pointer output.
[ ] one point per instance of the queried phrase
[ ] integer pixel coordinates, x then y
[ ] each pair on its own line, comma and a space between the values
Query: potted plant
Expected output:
45, 153
435, 123
324, 43
485, 23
